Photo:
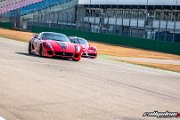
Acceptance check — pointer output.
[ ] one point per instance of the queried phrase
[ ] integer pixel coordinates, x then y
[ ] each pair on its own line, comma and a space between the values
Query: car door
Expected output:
33, 43
36, 41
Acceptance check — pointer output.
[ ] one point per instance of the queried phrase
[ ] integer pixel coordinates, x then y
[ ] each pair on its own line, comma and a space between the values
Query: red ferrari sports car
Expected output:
50, 44
88, 51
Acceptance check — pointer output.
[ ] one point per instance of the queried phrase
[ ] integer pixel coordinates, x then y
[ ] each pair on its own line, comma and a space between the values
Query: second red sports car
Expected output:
88, 51
52, 44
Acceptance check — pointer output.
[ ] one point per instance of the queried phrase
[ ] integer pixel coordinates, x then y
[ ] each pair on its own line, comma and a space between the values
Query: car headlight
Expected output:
93, 48
77, 48
48, 45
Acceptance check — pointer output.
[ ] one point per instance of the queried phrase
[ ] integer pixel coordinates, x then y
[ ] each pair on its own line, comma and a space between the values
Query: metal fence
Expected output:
163, 25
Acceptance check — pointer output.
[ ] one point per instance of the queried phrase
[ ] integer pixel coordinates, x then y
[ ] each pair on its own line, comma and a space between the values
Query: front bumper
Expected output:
89, 54
51, 53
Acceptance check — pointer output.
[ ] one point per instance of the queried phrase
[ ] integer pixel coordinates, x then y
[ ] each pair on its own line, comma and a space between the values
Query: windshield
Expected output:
55, 36
79, 41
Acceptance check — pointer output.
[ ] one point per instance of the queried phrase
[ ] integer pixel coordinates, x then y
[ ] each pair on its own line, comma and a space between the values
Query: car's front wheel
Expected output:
41, 51
76, 59
29, 48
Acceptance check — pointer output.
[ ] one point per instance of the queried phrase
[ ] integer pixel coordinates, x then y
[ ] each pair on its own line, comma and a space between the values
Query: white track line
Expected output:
2, 118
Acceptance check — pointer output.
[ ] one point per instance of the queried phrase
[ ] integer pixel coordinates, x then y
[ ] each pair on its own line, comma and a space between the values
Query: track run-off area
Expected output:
35, 88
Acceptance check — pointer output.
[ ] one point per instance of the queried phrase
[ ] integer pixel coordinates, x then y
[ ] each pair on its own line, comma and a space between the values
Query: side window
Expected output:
35, 36
74, 40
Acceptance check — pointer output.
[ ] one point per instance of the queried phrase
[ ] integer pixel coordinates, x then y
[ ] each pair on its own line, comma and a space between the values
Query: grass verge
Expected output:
169, 67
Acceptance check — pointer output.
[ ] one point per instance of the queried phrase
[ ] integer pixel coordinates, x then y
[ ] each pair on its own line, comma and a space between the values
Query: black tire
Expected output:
93, 57
29, 48
41, 51
75, 60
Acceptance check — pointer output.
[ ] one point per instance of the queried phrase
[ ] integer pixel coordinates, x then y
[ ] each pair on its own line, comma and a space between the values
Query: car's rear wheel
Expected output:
29, 48
41, 51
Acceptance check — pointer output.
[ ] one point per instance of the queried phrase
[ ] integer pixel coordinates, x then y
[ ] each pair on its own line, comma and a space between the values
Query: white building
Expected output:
152, 19
130, 2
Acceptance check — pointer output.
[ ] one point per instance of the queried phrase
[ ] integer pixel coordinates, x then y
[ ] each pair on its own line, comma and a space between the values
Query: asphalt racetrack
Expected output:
34, 88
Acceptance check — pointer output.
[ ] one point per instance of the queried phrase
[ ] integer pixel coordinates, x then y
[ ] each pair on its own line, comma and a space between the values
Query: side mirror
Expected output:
35, 36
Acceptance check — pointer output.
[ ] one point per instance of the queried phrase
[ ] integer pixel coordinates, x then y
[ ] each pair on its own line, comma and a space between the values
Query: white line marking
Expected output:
2, 118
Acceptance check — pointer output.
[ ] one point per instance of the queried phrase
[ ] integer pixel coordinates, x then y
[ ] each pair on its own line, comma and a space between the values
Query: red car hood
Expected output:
61, 46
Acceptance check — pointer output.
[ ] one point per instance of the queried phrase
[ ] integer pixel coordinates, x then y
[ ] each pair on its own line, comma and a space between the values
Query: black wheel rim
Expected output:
29, 48
40, 51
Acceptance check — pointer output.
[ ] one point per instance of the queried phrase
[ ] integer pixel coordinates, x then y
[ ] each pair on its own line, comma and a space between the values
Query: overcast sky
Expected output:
132, 2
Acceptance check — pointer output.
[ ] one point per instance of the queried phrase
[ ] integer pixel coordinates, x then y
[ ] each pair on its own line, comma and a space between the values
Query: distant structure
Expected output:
10, 5
150, 19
